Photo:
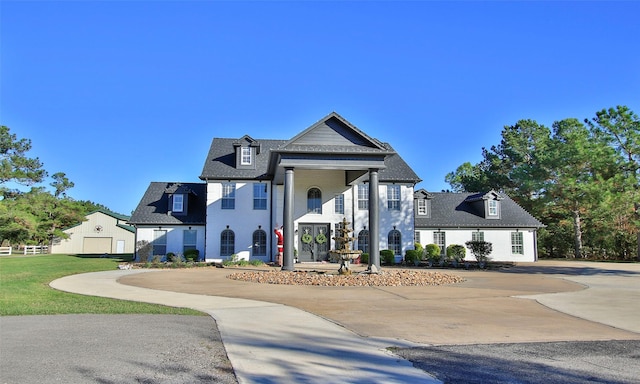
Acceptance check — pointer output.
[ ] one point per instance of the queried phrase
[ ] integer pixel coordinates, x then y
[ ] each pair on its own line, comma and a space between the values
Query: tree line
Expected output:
580, 178
38, 215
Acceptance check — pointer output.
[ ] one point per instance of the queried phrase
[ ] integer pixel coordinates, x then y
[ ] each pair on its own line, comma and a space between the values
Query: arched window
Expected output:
395, 241
314, 201
227, 243
363, 241
259, 243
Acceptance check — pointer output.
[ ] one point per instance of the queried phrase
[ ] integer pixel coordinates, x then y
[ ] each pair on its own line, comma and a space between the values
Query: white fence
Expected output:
6, 250
35, 249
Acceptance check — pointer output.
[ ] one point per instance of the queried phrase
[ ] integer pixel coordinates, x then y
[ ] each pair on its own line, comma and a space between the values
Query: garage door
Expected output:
97, 245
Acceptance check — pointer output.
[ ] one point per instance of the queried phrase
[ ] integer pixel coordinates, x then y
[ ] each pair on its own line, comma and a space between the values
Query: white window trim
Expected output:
178, 203
245, 156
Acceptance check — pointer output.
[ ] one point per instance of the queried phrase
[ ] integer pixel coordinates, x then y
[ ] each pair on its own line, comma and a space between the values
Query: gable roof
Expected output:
154, 207
116, 216
455, 210
330, 142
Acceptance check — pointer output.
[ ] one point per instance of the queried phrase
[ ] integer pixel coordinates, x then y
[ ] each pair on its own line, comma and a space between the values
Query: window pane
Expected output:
227, 243
393, 197
363, 197
228, 196
493, 208
439, 239
260, 196
245, 156
159, 243
394, 242
178, 203
363, 241
517, 246
259, 243
339, 204
422, 207
477, 236
189, 238
314, 201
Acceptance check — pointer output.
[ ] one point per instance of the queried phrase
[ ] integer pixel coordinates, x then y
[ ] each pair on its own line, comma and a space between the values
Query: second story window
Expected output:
314, 201
245, 156
228, 196
363, 197
260, 196
493, 208
393, 197
339, 204
178, 203
422, 207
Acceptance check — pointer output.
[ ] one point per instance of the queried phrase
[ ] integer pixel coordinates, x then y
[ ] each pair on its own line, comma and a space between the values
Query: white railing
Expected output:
35, 249
6, 250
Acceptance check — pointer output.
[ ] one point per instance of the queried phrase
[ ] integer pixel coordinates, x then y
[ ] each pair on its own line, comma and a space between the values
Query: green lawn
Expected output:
24, 288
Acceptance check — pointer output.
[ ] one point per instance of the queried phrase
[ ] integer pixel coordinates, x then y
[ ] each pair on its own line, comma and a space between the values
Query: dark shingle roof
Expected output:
455, 210
221, 160
154, 206
331, 135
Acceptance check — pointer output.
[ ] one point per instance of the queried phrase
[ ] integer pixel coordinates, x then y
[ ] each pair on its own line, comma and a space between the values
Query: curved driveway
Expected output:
268, 339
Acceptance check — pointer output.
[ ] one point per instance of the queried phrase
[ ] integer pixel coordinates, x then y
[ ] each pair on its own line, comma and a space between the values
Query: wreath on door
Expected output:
321, 238
307, 238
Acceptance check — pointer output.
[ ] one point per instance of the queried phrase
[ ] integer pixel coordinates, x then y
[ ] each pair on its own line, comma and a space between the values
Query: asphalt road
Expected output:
78, 349
118, 349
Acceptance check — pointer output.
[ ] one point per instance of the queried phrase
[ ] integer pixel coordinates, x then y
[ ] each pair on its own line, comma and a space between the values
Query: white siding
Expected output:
175, 237
500, 240
243, 220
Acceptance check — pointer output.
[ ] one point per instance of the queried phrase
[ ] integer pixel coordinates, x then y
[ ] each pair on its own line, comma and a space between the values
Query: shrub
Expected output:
456, 252
192, 254
432, 252
418, 247
387, 256
364, 258
412, 256
481, 250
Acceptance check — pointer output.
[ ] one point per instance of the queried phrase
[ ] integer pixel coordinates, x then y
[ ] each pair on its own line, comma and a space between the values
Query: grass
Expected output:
24, 288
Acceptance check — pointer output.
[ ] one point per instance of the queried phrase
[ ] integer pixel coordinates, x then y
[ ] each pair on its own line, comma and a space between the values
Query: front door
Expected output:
313, 242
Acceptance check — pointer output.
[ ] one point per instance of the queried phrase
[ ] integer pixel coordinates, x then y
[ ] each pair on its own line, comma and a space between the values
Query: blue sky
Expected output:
118, 94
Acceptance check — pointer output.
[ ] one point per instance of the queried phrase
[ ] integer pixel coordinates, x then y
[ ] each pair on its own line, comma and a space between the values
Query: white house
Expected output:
305, 185
170, 218
101, 232
455, 218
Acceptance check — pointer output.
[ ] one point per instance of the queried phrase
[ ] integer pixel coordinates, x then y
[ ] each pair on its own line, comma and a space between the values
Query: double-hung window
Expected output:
393, 197
477, 236
493, 208
178, 203
339, 204
363, 197
423, 207
517, 244
260, 196
245, 156
228, 196
189, 238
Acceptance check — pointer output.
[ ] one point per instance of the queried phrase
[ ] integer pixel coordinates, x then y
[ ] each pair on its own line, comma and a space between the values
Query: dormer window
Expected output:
493, 207
178, 203
245, 156
245, 151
